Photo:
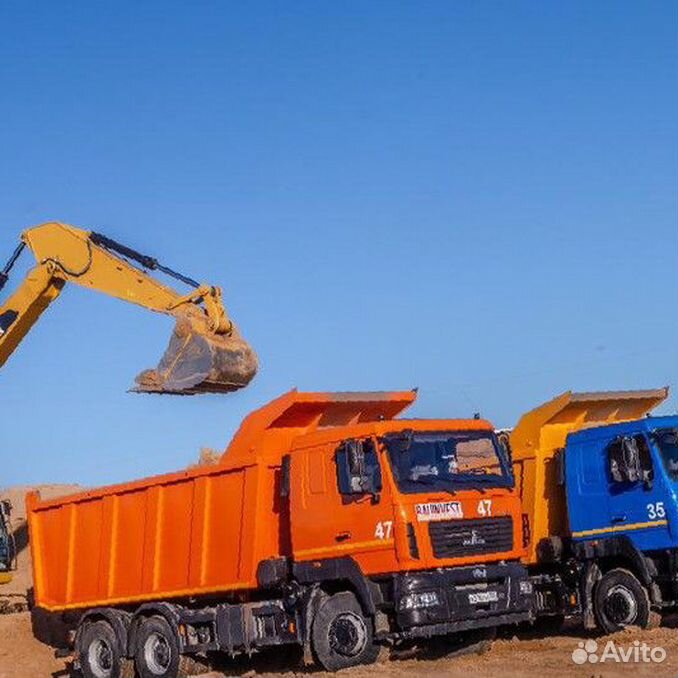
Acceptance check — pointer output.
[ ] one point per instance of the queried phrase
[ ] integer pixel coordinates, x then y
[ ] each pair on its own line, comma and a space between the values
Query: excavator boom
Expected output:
206, 353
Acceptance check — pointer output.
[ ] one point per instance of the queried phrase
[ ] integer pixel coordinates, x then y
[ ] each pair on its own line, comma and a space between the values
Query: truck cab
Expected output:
622, 481
424, 511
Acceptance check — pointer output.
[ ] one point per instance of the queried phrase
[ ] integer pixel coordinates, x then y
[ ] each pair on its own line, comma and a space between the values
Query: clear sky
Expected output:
475, 198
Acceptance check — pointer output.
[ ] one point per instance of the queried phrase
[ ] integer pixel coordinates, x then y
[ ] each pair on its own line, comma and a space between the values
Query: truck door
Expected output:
637, 494
340, 507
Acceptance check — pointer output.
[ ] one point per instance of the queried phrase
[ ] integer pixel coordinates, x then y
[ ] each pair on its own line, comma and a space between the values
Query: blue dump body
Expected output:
621, 480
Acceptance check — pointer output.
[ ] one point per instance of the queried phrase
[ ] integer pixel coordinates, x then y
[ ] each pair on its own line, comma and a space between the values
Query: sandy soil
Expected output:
21, 656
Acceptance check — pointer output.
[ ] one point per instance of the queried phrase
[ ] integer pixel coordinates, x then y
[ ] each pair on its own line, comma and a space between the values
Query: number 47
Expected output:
384, 529
485, 507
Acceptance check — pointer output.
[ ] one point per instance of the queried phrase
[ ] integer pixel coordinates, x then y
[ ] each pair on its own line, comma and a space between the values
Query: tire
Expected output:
341, 635
100, 652
157, 650
620, 600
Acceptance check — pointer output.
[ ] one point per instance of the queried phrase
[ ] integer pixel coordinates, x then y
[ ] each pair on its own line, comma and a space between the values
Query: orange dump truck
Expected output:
328, 523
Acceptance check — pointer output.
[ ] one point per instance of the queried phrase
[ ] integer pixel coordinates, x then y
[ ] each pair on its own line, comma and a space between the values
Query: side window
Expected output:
629, 460
358, 470
372, 468
646, 468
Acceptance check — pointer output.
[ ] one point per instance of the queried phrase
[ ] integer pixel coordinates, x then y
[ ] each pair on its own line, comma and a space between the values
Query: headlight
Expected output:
525, 587
418, 600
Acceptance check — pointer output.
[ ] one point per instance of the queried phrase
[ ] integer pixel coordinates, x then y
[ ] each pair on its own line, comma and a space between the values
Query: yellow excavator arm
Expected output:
206, 352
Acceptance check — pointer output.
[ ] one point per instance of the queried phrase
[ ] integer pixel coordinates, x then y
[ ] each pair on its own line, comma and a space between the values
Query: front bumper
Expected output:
464, 597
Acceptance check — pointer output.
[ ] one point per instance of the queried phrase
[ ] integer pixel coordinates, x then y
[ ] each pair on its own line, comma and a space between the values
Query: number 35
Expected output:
656, 510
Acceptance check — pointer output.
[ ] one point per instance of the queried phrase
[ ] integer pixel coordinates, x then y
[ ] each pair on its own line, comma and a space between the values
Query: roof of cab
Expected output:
271, 431
647, 424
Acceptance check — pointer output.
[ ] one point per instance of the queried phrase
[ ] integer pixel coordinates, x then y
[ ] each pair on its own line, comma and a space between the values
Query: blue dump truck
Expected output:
598, 478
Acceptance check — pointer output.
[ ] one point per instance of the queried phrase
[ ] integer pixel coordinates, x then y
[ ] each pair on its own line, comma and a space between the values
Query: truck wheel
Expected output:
99, 651
620, 600
341, 635
157, 653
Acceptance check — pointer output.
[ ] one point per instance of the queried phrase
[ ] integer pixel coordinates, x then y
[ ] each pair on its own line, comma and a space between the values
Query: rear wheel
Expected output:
157, 653
99, 651
341, 635
620, 600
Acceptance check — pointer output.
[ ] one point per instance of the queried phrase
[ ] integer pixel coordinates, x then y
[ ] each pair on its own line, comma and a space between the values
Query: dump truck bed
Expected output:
192, 533
172, 536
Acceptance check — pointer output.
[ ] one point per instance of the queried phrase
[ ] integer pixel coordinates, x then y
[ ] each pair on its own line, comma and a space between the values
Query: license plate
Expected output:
483, 597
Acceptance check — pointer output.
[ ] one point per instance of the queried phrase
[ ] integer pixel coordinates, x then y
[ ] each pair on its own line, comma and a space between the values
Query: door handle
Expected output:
343, 536
619, 519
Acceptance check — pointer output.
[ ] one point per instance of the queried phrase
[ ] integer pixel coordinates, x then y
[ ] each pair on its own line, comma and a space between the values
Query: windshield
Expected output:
447, 460
667, 440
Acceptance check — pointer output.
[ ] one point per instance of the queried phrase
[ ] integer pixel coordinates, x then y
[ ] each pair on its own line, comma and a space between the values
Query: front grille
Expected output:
458, 538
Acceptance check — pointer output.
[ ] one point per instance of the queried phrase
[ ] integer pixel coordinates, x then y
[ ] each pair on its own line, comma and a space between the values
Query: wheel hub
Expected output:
157, 654
347, 635
100, 659
621, 606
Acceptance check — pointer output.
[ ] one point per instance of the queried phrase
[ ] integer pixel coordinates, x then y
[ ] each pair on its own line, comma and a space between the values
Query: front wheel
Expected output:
620, 600
341, 635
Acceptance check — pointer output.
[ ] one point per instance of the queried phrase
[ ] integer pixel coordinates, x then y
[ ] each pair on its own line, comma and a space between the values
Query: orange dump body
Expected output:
189, 533
207, 530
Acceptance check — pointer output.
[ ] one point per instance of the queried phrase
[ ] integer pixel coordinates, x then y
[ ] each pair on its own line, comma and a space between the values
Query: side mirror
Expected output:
504, 440
285, 478
358, 468
631, 455
560, 467
356, 465
624, 460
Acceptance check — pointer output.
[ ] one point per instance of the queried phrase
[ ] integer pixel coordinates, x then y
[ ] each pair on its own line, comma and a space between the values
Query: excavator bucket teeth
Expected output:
200, 362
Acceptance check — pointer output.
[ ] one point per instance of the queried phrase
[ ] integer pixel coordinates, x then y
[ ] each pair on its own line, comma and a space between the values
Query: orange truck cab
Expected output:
329, 523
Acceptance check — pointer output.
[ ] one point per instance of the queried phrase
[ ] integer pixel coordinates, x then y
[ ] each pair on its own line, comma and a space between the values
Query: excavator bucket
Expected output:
199, 361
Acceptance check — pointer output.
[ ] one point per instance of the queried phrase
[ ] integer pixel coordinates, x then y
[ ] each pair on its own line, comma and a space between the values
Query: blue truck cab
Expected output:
621, 489
621, 480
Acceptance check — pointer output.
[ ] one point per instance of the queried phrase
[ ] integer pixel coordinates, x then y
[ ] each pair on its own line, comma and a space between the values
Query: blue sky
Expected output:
479, 199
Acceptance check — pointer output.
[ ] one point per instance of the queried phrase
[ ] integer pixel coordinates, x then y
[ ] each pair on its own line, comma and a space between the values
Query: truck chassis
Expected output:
338, 616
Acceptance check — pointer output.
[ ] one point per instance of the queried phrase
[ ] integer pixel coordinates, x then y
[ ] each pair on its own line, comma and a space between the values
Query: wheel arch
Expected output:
619, 551
334, 575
